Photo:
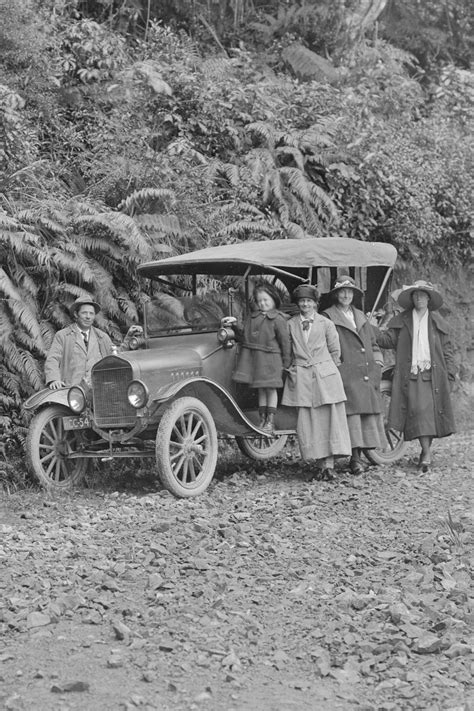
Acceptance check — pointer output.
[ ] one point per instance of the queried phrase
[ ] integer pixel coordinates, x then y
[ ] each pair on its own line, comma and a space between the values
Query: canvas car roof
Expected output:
283, 254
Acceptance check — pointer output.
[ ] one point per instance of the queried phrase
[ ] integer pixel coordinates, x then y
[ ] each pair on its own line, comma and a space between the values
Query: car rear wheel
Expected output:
48, 445
396, 444
261, 448
186, 447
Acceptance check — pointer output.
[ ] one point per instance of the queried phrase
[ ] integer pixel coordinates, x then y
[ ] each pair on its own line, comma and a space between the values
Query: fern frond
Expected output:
127, 306
294, 153
24, 364
294, 231
216, 68
231, 173
51, 227
73, 263
73, 289
140, 198
10, 382
8, 403
59, 315
7, 287
24, 340
167, 224
297, 183
320, 198
32, 369
47, 333
6, 325
121, 227
275, 186
23, 315
318, 135
24, 281
99, 246
265, 131
8, 223
245, 229
260, 161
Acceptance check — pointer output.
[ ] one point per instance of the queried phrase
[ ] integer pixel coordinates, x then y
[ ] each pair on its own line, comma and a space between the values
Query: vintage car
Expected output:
172, 395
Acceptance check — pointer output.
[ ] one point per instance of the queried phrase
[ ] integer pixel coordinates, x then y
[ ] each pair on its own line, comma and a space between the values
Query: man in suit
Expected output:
76, 348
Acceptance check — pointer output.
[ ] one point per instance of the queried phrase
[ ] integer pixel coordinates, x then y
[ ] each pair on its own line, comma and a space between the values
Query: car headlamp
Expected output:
76, 398
226, 337
137, 394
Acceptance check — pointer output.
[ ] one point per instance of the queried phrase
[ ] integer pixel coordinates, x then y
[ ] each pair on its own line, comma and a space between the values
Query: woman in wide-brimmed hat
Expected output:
314, 385
420, 406
360, 368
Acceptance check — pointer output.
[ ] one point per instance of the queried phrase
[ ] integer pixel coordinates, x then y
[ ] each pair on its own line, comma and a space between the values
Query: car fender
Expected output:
227, 415
47, 397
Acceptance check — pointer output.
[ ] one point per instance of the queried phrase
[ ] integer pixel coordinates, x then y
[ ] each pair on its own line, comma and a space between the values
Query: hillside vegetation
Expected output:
138, 130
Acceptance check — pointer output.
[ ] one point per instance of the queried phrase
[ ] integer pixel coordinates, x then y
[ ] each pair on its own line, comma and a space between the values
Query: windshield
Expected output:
166, 314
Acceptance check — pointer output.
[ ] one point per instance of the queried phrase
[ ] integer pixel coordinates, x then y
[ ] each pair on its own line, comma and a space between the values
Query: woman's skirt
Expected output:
322, 431
421, 412
367, 431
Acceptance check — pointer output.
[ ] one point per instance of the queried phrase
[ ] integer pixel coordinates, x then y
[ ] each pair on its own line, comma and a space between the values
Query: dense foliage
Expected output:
131, 130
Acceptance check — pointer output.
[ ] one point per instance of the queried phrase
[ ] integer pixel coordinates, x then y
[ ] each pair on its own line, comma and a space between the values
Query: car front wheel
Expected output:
48, 445
186, 447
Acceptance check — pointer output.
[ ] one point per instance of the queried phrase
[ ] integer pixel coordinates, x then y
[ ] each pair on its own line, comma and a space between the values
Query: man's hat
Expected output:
83, 301
345, 282
405, 297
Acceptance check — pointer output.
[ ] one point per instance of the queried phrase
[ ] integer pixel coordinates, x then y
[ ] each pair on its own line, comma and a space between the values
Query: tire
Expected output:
47, 445
186, 447
261, 448
396, 444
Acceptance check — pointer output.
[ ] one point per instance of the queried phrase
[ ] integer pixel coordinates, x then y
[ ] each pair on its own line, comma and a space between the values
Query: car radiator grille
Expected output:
111, 406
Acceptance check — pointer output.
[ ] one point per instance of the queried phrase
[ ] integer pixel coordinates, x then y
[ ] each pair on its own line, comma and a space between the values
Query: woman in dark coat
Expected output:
265, 352
360, 368
314, 385
420, 406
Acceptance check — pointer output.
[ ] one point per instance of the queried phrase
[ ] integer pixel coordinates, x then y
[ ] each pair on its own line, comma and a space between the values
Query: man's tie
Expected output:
85, 336
306, 324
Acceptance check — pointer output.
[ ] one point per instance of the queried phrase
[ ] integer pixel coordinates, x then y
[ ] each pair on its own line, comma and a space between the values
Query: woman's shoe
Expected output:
328, 474
356, 467
316, 475
424, 465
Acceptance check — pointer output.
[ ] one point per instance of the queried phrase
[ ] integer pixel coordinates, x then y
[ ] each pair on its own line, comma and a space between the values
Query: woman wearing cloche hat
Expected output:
314, 385
361, 369
420, 406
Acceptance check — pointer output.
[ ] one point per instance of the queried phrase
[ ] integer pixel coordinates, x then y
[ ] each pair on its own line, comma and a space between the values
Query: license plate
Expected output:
81, 422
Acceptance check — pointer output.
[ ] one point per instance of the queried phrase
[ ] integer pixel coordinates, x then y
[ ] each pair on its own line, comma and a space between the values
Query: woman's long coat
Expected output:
265, 350
399, 336
313, 376
360, 371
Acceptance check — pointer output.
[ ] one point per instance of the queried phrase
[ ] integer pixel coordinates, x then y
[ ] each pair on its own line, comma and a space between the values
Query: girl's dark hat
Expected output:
405, 297
345, 282
271, 291
83, 301
305, 291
